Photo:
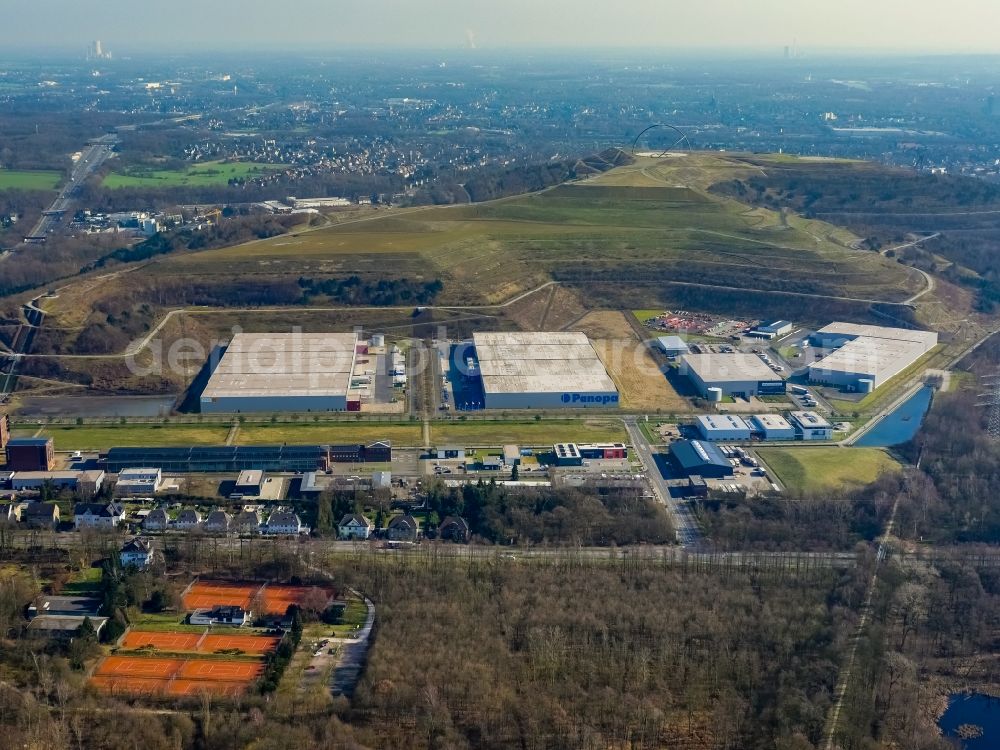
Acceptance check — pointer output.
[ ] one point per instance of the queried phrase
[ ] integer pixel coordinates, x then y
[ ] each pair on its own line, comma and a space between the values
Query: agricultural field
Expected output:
88, 437
531, 433
15, 179
322, 434
197, 175
811, 469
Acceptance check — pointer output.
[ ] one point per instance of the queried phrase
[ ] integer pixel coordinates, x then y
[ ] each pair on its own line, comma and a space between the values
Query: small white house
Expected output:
283, 522
157, 520
98, 515
223, 615
354, 526
188, 518
138, 553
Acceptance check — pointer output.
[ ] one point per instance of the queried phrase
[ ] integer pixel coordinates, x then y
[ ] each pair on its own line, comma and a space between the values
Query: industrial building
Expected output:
237, 458
672, 346
866, 356
574, 454
542, 371
811, 426
140, 481
733, 374
771, 427
717, 427
249, 482
220, 459
700, 458
30, 454
269, 372
772, 330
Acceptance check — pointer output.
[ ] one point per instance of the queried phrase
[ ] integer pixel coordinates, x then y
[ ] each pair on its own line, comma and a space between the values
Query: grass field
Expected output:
809, 469
197, 175
87, 437
321, 434
643, 223
15, 179
545, 432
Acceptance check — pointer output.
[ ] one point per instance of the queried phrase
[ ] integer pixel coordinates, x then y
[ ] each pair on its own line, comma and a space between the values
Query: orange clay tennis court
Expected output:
199, 642
162, 641
275, 599
248, 644
136, 674
197, 687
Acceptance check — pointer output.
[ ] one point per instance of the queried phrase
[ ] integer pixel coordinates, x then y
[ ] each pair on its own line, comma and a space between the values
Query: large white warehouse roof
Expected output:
716, 368
259, 365
857, 330
528, 362
874, 352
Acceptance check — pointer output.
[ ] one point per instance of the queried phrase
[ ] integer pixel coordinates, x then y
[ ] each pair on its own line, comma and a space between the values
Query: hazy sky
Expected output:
134, 25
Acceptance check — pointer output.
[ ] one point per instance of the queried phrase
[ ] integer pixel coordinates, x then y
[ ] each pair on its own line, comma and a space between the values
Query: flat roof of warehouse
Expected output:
284, 364
540, 362
727, 367
771, 421
927, 338
872, 356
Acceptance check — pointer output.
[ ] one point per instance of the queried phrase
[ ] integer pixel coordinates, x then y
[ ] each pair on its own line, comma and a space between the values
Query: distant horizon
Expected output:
889, 27
72, 51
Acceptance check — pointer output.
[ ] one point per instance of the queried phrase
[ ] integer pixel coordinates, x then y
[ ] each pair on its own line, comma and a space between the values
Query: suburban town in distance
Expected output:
523, 377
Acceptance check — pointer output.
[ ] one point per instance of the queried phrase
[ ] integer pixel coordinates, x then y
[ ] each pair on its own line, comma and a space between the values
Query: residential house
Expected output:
354, 526
98, 515
137, 553
157, 520
284, 522
221, 615
218, 522
247, 522
402, 529
454, 529
187, 519
40, 515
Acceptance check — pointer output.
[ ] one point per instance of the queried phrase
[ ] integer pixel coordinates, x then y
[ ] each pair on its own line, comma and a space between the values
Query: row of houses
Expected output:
404, 528
281, 521
47, 515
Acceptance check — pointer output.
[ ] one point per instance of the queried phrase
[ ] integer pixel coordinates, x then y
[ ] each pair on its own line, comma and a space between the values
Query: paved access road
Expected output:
92, 157
688, 533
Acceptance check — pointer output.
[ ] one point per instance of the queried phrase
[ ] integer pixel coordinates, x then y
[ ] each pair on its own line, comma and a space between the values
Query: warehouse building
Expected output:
542, 371
718, 427
220, 459
866, 356
672, 346
701, 459
771, 330
734, 374
771, 427
30, 454
270, 372
811, 426
139, 481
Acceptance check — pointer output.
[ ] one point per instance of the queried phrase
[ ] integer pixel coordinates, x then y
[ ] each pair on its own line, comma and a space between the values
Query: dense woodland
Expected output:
501, 515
